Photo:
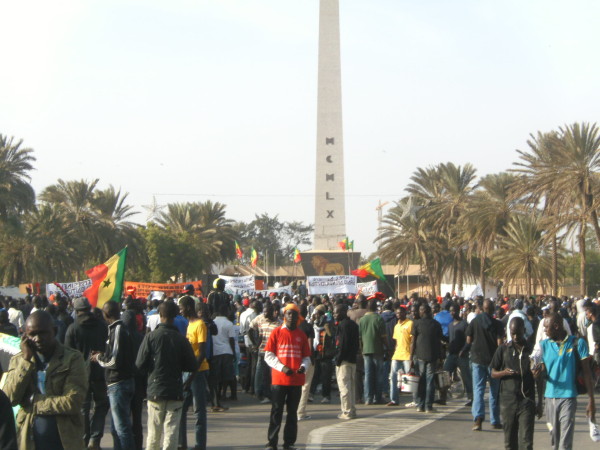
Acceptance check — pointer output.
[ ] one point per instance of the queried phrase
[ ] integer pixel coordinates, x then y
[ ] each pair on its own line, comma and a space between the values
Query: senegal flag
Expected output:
238, 251
253, 257
107, 280
297, 257
371, 268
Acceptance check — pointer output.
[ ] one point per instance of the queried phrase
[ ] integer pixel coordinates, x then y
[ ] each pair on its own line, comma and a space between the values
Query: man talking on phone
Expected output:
49, 382
288, 354
511, 365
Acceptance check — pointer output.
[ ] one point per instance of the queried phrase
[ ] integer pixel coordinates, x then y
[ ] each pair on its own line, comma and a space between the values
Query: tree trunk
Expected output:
454, 276
554, 265
482, 274
460, 271
582, 260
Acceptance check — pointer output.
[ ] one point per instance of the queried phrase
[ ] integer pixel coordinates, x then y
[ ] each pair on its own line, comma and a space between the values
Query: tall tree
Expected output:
16, 194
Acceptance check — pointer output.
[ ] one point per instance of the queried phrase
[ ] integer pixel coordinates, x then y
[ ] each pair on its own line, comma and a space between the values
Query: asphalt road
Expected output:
244, 426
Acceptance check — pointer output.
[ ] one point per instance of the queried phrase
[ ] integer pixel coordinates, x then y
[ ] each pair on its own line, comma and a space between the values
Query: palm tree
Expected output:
405, 236
16, 194
522, 254
561, 168
488, 212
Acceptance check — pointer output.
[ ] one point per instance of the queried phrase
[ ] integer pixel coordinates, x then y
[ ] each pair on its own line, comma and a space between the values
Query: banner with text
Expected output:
235, 284
73, 289
367, 289
341, 284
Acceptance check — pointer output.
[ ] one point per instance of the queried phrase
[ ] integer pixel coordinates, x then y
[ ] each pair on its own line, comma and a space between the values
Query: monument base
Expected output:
329, 262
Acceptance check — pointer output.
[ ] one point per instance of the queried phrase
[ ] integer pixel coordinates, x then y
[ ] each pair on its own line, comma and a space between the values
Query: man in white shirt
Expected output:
221, 364
251, 353
16, 317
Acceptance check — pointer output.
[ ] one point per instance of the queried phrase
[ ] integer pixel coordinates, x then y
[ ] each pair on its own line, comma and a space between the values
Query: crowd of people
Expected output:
77, 363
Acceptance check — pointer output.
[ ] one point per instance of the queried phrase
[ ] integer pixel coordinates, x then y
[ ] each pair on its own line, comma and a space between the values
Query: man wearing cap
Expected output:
88, 334
190, 290
288, 354
324, 350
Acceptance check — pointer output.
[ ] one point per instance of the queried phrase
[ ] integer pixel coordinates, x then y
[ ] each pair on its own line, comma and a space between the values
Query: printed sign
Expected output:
340, 284
367, 289
73, 289
238, 283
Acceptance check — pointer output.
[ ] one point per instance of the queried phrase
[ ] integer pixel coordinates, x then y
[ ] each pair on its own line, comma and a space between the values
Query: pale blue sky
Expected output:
195, 100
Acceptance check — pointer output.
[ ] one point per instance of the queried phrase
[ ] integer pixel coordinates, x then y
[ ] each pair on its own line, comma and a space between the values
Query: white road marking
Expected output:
373, 433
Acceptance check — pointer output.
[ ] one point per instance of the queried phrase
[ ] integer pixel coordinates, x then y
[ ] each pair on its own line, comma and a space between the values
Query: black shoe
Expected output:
497, 426
469, 403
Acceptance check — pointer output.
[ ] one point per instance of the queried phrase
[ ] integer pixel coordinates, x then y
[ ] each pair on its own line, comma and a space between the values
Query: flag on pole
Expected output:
345, 244
107, 280
253, 257
297, 257
351, 245
371, 268
238, 251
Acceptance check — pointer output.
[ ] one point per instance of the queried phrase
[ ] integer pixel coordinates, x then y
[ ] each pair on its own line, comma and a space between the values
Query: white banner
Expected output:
234, 284
367, 289
338, 284
73, 288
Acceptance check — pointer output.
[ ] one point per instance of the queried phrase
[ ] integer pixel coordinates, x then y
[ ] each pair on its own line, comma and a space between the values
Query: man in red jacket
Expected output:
288, 354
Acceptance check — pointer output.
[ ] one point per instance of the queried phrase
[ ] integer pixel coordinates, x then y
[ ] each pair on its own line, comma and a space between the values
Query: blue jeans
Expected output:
199, 394
374, 376
426, 390
120, 395
395, 367
262, 378
481, 374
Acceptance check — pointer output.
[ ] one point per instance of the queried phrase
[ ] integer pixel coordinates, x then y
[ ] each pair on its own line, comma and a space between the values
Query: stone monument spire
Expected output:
330, 210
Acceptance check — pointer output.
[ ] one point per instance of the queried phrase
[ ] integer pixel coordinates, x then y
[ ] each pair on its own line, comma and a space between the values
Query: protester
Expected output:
426, 348
221, 365
260, 331
484, 335
164, 355
347, 347
324, 351
88, 335
308, 376
5, 326
218, 298
511, 365
8, 430
198, 336
288, 354
48, 381
458, 354
119, 362
401, 361
15, 316
560, 354
374, 341
246, 318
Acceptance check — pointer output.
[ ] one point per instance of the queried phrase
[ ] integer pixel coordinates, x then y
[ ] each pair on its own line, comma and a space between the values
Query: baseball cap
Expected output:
188, 287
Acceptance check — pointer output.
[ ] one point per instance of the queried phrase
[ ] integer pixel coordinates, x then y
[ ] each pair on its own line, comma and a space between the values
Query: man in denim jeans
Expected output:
118, 360
426, 346
484, 335
373, 338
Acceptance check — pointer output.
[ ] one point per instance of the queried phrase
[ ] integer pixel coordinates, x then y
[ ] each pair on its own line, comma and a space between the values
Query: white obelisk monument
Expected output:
330, 209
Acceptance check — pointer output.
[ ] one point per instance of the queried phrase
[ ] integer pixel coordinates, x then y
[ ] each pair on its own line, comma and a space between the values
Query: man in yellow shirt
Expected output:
401, 357
197, 334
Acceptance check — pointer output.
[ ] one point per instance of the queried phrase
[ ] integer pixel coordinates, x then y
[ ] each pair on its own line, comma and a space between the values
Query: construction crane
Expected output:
379, 210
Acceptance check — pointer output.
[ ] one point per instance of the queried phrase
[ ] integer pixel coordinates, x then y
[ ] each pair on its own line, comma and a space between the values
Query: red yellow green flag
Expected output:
253, 257
107, 280
297, 257
238, 251
371, 268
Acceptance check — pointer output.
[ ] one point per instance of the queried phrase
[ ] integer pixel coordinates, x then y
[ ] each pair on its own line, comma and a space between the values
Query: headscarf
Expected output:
295, 308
